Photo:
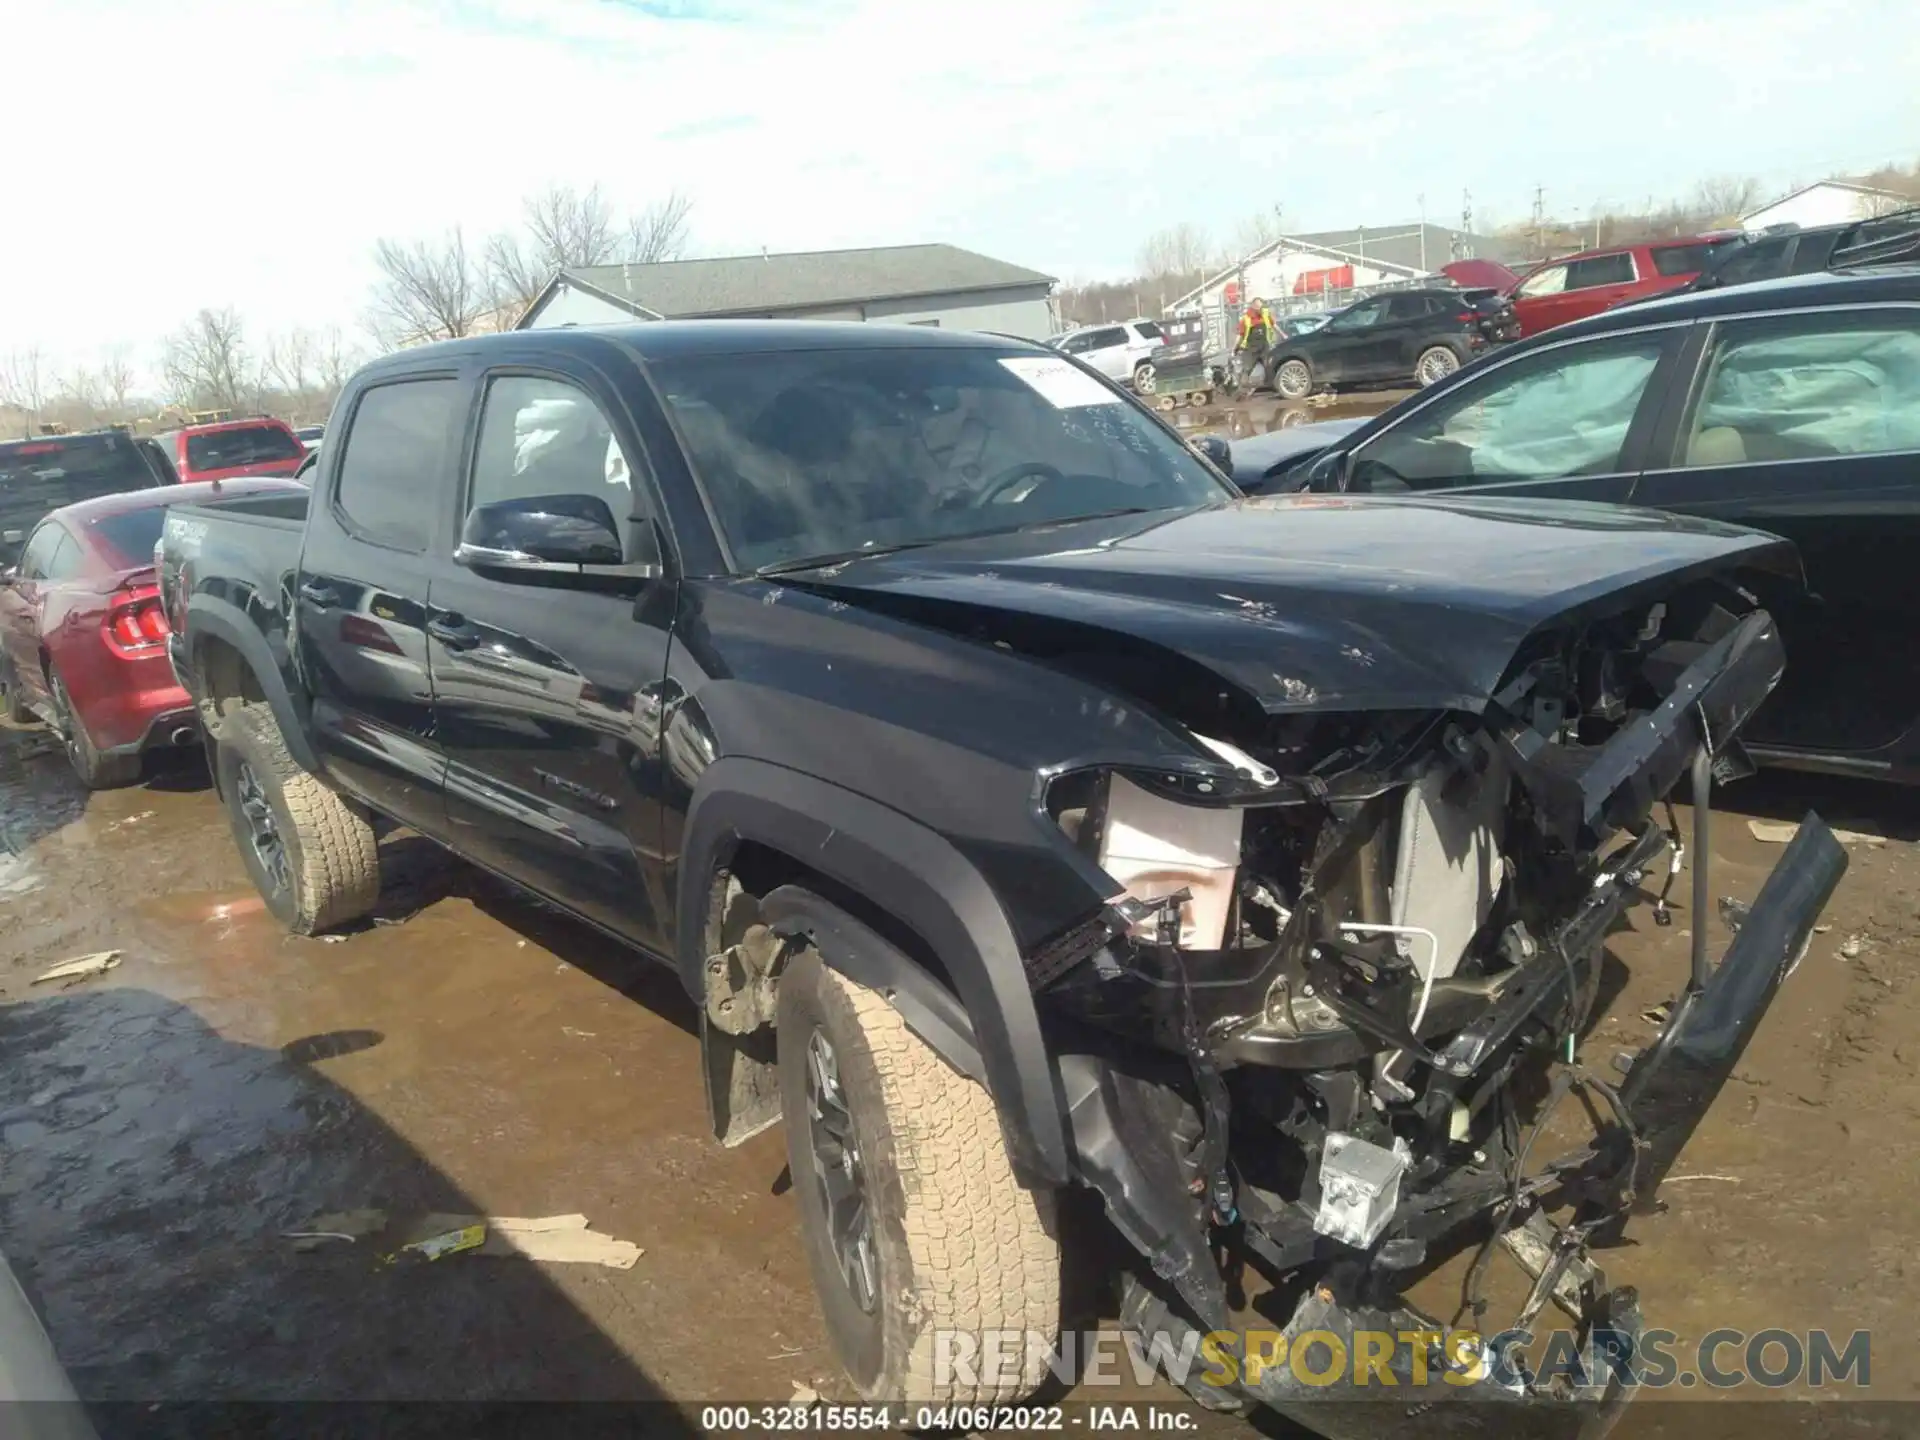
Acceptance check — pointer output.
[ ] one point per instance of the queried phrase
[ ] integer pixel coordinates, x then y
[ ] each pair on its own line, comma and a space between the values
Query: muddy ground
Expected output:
163, 1125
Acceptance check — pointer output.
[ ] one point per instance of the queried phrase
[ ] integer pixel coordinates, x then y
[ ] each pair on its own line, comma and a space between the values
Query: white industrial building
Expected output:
933, 285
1830, 202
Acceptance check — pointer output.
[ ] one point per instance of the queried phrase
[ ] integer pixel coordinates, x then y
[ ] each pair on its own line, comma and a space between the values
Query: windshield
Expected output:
244, 445
824, 453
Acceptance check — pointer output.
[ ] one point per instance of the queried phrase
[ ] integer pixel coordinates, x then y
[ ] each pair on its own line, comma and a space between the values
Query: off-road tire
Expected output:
332, 858
1291, 379
94, 768
961, 1247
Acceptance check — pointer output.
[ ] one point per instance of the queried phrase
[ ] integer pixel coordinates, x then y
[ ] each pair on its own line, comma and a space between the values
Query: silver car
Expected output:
1122, 352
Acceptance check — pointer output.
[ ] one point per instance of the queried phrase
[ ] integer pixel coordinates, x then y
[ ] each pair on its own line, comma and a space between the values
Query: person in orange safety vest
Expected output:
1258, 335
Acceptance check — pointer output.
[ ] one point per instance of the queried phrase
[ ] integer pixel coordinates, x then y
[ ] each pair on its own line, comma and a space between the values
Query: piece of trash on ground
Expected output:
804, 1395
132, 819
1779, 832
1851, 947
560, 1239
448, 1242
1657, 1015
347, 1225
84, 967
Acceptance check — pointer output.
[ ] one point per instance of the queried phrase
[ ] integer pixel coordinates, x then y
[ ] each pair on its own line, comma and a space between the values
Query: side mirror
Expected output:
1217, 450
542, 532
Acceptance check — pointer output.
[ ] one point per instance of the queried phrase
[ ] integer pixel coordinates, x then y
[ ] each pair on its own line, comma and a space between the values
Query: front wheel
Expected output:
1434, 365
311, 855
1293, 380
921, 1241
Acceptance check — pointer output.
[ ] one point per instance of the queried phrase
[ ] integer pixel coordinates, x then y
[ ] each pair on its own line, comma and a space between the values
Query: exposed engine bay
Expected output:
1336, 1001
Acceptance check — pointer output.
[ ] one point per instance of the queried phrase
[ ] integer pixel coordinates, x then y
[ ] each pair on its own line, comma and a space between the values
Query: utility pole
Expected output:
1540, 220
1465, 244
1423, 234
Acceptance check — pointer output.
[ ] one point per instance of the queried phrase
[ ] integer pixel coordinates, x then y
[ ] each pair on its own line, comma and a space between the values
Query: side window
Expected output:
67, 559
392, 461
540, 436
1754, 261
1147, 330
39, 551
1104, 339
1409, 307
1614, 269
1672, 260
1362, 316
1811, 253
1078, 344
1554, 415
1550, 281
1809, 387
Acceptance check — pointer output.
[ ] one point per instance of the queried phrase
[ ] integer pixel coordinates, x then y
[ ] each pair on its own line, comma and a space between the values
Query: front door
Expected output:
546, 686
1567, 421
361, 595
1808, 425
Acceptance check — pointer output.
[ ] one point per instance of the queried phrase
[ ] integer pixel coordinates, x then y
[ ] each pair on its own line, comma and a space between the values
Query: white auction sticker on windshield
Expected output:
1058, 383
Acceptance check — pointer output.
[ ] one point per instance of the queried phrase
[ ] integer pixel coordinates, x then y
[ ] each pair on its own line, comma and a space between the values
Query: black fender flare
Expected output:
924, 882
208, 615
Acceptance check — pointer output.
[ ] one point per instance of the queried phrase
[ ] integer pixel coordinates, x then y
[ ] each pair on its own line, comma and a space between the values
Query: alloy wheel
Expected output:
1144, 380
263, 832
838, 1174
1436, 365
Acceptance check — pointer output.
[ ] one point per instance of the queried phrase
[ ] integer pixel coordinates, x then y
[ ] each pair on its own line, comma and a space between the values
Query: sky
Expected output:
173, 154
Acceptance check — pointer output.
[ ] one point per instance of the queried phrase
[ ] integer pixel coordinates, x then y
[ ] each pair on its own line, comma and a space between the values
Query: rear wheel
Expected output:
97, 770
1293, 380
311, 855
914, 1225
1145, 379
1434, 365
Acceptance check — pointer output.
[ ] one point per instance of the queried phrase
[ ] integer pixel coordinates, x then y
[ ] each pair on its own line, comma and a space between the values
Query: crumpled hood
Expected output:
1255, 456
1317, 602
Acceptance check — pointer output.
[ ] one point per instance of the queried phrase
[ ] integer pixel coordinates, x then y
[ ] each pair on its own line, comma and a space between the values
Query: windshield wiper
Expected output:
819, 562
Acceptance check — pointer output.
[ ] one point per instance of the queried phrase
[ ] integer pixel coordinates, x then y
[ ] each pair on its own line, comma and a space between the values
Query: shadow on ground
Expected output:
148, 1172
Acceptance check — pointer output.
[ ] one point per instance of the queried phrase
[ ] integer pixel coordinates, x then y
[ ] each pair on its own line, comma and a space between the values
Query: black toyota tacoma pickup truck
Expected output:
1026, 809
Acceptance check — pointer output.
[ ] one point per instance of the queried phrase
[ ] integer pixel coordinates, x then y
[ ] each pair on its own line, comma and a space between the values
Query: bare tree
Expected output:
206, 363
1182, 249
1255, 232
336, 360
116, 380
1724, 199
569, 228
427, 290
290, 362
516, 272
23, 385
658, 232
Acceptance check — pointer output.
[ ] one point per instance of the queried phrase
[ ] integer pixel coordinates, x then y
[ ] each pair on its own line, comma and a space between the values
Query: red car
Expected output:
232, 448
83, 640
1577, 286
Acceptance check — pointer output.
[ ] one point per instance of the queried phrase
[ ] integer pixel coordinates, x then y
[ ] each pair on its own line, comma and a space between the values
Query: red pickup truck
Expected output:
1576, 286
231, 448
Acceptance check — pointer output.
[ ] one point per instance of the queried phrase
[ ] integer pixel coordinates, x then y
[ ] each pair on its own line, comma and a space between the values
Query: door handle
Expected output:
321, 597
453, 632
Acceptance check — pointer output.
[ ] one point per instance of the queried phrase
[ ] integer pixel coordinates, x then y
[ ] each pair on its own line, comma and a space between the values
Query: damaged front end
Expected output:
1344, 987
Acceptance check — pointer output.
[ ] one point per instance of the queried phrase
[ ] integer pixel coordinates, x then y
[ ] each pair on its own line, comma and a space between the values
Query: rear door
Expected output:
361, 594
1338, 351
1388, 352
1107, 351
547, 686
1807, 424
1570, 421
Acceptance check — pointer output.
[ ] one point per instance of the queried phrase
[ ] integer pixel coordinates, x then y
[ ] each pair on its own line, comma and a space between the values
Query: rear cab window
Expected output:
42, 475
388, 485
241, 445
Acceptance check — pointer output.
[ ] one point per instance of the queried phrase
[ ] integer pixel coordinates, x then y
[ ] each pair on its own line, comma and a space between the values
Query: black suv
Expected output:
1402, 337
1791, 405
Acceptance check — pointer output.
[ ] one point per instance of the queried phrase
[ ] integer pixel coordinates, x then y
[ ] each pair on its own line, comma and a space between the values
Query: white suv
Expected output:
1123, 352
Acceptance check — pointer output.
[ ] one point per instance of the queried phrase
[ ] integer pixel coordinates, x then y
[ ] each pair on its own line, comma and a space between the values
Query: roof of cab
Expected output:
1789, 292
664, 339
